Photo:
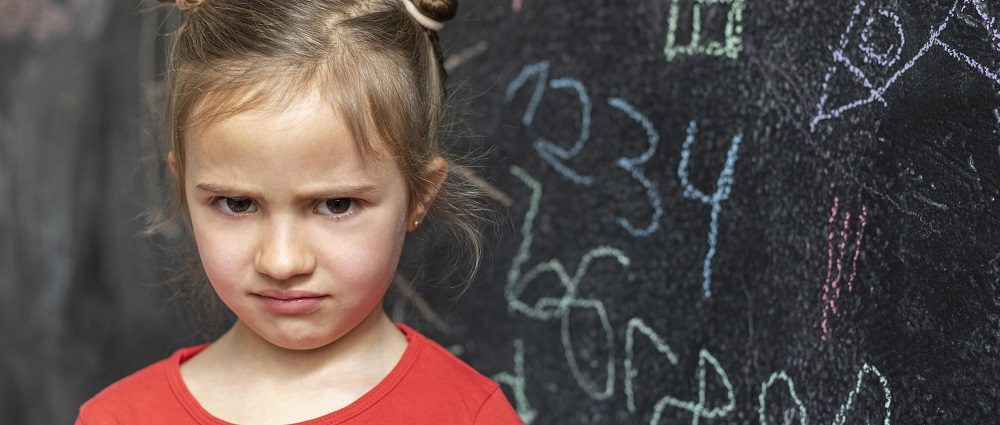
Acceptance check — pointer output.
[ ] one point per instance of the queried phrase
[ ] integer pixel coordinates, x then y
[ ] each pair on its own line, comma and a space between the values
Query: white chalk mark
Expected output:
551, 308
636, 324
518, 384
841, 416
460, 58
732, 42
824, 112
762, 398
698, 408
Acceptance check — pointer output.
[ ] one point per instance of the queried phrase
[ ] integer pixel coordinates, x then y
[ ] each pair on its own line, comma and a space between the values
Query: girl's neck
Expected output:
375, 345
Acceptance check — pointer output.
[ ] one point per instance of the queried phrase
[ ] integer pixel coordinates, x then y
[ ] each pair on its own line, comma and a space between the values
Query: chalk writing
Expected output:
43, 20
550, 152
632, 166
891, 55
517, 384
841, 416
838, 250
697, 408
636, 324
762, 398
723, 188
549, 308
732, 42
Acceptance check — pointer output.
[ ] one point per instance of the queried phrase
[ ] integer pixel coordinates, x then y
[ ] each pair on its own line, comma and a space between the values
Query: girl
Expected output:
304, 142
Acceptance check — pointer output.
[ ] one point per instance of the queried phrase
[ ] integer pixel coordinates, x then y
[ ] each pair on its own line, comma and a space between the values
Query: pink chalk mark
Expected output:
829, 268
516, 5
832, 282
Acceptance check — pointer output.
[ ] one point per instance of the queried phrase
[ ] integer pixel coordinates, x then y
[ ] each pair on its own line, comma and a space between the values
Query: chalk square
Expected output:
732, 36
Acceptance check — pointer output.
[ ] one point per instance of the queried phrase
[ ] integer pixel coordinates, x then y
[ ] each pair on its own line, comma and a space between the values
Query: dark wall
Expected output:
713, 211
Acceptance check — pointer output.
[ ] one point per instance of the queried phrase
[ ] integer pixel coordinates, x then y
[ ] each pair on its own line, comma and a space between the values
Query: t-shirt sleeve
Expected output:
497, 411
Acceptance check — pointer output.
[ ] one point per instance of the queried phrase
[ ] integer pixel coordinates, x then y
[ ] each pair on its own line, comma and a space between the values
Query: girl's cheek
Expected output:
224, 251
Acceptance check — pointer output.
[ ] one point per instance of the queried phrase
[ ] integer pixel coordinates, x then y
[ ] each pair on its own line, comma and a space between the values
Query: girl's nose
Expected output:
282, 255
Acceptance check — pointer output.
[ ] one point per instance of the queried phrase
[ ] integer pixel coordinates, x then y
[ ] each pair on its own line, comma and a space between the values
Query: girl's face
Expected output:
299, 233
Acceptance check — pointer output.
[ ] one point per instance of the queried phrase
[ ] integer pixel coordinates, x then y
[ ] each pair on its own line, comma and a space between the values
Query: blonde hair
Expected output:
377, 66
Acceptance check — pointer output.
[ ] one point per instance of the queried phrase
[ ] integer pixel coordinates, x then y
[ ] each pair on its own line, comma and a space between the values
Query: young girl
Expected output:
304, 139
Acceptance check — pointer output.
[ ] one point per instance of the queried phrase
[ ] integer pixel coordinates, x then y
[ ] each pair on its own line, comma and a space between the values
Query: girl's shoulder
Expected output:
441, 385
146, 396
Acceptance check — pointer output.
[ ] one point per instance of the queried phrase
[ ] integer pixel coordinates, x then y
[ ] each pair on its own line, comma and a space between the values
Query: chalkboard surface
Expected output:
714, 211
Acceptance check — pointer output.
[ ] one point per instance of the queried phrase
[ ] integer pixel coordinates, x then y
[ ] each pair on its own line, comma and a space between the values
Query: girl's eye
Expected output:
338, 207
236, 206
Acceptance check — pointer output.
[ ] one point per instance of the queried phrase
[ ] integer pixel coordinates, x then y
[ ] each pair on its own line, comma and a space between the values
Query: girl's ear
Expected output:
433, 175
172, 163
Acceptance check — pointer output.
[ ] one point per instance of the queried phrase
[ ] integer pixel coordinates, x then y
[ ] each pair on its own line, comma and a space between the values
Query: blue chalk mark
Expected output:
554, 154
541, 70
723, 188
632, 166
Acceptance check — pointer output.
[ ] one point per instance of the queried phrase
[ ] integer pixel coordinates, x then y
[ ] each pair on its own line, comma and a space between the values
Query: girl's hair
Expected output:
376, 65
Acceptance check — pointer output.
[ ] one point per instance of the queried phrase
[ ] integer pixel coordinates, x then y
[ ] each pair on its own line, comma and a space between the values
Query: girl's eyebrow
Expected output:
332, 192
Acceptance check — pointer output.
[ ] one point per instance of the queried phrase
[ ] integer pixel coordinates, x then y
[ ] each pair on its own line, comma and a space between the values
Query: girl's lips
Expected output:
290, 302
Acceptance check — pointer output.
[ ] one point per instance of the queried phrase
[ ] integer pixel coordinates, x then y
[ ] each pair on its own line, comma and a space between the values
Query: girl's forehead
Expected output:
306, 113
306, 134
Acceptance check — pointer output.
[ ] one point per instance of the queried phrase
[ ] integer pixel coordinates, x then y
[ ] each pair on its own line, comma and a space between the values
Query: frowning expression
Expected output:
299, 232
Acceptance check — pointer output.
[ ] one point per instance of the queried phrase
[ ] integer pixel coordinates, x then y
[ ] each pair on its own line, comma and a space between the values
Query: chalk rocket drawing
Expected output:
857, 40
732, 42
837, 252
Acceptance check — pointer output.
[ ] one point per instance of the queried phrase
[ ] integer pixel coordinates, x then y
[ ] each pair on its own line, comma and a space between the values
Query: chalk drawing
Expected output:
891, 56
762, 398
698, 408
43, 20
517, 384
632, 166
549, 151
733, 33
841, 416
550, 308
515, 5
723, 188
836, 252
636, 324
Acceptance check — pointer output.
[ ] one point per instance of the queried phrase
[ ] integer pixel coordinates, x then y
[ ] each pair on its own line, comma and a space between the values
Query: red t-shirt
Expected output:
428, 386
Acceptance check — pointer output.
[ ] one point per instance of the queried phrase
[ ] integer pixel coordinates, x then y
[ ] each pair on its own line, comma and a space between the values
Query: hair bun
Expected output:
438, 10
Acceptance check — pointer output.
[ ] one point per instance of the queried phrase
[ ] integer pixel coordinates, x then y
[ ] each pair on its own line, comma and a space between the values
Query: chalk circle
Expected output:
891, 53
594, 390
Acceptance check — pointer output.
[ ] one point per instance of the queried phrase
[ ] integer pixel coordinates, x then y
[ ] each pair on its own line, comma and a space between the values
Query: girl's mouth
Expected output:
290, 302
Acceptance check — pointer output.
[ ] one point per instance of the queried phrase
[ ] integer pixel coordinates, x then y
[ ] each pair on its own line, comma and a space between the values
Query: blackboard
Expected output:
712, 211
